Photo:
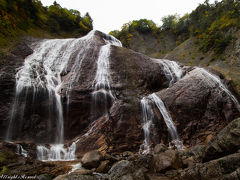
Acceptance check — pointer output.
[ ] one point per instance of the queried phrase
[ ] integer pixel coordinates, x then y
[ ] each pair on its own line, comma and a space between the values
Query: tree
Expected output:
169, 22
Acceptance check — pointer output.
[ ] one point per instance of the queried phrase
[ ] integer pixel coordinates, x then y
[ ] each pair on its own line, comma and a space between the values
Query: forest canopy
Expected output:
21, 15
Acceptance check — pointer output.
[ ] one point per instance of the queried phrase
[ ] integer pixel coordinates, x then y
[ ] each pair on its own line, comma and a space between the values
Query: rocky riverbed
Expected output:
217, 159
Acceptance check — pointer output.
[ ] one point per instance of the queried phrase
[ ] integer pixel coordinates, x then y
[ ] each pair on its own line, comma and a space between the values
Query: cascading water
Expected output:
211, 80
21, 151
103, 95
147, 115
41, 75
173, 73
56, 152
75, 167
214, 81
171, 69
168, 120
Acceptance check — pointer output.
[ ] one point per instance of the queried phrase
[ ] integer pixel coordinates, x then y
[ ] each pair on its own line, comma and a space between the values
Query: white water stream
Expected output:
168, 120
148, 116
103, 95
21, 151
171, 69
42, 72
214, 82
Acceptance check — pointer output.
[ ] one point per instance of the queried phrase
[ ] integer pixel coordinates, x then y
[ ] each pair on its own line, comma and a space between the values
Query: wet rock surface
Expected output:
12, 61
226, 142
199, 109
12, 163
172, 164
190, 163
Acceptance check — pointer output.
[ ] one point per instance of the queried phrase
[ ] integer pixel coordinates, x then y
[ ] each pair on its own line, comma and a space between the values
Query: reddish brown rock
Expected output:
166, 160
196, 109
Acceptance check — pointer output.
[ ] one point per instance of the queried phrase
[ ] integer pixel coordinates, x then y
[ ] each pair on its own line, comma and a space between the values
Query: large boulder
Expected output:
226, 142
120, 169
216, 169
165, 161
160, 148
91, 159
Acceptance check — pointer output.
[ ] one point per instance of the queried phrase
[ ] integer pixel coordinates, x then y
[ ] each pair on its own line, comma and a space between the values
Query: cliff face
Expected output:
11, 62
151, 45
188, 53
102, 85
227, 63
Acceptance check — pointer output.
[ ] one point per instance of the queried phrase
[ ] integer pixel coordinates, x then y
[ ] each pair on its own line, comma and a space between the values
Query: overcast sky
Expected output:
110, 15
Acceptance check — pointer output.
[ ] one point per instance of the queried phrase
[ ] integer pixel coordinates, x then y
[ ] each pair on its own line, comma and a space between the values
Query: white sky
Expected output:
110, 15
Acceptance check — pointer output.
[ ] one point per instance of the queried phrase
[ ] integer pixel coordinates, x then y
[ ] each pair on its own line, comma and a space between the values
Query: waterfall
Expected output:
102, 95
39, 81
102, 78
75, 167
214, 81
171, 69
56, 152
40, 78
173, 73
85, 43
168, 120
147, 115
21, 151
41, 73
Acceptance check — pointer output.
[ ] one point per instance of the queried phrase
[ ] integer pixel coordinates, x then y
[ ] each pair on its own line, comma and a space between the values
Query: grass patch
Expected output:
4, 169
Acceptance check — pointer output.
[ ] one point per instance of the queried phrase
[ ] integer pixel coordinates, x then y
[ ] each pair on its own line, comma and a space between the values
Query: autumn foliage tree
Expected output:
20, 15
141, 26
209, 23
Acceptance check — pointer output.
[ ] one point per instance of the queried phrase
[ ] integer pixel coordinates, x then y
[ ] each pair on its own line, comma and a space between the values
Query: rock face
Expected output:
166, 160
8, 69
225, 143
120, 169
197, 106
147, 43
218, 168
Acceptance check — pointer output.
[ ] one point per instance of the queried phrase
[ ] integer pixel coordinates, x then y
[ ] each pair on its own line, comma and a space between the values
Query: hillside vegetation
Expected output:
209, 23
209, 37
30, 17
